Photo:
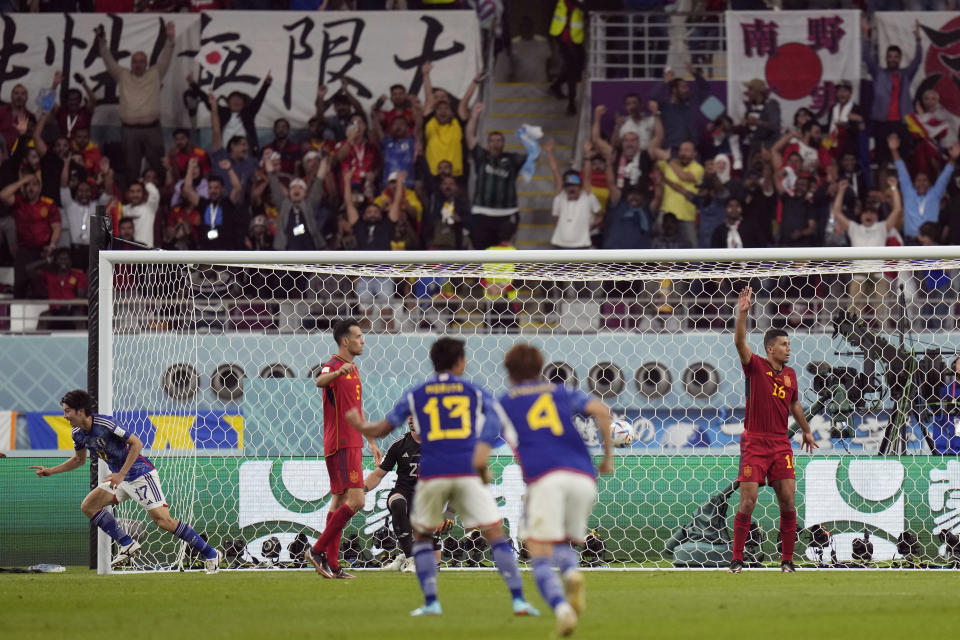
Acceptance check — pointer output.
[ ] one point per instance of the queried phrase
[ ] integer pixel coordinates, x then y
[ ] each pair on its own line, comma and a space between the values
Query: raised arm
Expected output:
740, 331
109, 61
91, 98
376, 130
236, 187
253, 107
166, 54
554, 168
8, 194
471, 132
896, 212
911, 69
585, 167
352, 214
463, 109
399, 191
611, 172
866, 47
38, 142
215, 129
841, 221
595, 136
428, 101
188, 193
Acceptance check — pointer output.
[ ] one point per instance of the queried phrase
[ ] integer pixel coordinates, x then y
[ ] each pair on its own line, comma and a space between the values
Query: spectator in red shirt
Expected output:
38, 227
73, 114
182, 152
358, 156
63, 282
401, 107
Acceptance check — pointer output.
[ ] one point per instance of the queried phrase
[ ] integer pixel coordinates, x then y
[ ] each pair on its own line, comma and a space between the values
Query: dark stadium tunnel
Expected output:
560, 373
701, 380
277, 370
653, 380
605, 379
181, 381
227, 382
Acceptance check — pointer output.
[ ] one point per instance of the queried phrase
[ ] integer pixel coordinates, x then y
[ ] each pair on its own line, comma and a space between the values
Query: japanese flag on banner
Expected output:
799, 55
940, 57
211, 57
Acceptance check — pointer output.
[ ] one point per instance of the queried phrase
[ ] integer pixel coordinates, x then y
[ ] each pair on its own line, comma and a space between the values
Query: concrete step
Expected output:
526, 90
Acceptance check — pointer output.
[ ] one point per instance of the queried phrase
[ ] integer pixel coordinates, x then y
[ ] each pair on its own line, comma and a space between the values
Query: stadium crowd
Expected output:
399, 175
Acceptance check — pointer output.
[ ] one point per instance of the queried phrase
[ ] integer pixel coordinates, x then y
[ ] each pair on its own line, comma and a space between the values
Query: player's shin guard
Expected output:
741, 529
400, 513
788, 533
506, 561
547, 581
105, 520
426, 564
565, 558
186, 533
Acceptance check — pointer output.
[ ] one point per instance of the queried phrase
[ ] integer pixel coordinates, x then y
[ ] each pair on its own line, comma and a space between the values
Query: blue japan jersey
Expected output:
107, 441
450, 414
538, 423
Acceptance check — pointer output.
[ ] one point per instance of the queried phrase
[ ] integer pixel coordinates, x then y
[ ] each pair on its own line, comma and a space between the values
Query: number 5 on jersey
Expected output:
457, 407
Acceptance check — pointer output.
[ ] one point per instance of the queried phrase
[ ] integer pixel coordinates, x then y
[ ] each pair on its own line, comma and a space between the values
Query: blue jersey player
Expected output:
452, 417
537, 421
131, 477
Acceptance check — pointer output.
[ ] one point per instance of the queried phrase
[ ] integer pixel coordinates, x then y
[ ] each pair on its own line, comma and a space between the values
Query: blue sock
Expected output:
506, 561
186, 533
565, 557
426, 564
547, 581
105, 520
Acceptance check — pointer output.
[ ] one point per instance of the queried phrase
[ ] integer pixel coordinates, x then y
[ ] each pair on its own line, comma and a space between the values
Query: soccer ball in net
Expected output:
622, 433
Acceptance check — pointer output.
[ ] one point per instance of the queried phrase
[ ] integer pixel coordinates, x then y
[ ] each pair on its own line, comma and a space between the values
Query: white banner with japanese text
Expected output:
800, 55
366, 51
939, 67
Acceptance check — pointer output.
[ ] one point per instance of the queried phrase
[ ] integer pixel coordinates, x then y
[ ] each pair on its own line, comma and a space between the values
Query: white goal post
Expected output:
210, 358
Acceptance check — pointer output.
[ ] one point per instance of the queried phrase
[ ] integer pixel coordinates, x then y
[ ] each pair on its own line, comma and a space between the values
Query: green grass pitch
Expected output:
809, 604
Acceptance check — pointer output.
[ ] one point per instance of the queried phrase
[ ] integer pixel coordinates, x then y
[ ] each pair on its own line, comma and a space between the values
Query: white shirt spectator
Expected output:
643, 128
143, 216
573, 220
77, 216
861, 236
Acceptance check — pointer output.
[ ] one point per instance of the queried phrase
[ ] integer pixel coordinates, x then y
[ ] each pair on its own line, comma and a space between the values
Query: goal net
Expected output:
211, 360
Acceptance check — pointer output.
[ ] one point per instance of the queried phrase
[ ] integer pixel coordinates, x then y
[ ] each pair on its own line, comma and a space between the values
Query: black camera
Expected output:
863, 548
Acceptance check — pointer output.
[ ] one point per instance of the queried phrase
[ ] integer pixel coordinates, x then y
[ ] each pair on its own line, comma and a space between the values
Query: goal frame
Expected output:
108, 259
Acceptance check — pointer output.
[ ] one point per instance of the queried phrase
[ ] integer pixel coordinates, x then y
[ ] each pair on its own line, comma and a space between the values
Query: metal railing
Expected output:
641, 45
42, 316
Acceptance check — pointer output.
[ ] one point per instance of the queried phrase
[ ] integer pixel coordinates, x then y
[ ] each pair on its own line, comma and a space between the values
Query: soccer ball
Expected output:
622, 433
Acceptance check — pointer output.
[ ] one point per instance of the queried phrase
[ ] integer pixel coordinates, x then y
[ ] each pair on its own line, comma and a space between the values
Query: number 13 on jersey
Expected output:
454, 424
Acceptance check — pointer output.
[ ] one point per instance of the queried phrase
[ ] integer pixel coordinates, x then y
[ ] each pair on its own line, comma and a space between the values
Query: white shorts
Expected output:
557, 507
467, 495
145, 490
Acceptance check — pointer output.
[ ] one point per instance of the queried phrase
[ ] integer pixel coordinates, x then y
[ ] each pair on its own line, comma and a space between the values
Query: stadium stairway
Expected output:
515, 104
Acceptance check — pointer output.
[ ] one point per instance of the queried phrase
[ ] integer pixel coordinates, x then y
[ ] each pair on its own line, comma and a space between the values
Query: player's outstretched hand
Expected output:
377, 454
606, 466
808, 444
347, 368
354, 418
41, 471
743, 304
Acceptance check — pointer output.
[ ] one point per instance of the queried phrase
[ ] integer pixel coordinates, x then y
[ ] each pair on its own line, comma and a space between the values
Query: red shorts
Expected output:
345, 468
765, 461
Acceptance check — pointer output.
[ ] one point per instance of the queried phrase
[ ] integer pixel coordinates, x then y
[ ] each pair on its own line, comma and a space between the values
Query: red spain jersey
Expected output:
769, 396
34, 220
341, 395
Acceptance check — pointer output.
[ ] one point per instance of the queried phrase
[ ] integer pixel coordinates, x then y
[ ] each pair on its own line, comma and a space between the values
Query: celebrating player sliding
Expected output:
766, 455
131, 476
